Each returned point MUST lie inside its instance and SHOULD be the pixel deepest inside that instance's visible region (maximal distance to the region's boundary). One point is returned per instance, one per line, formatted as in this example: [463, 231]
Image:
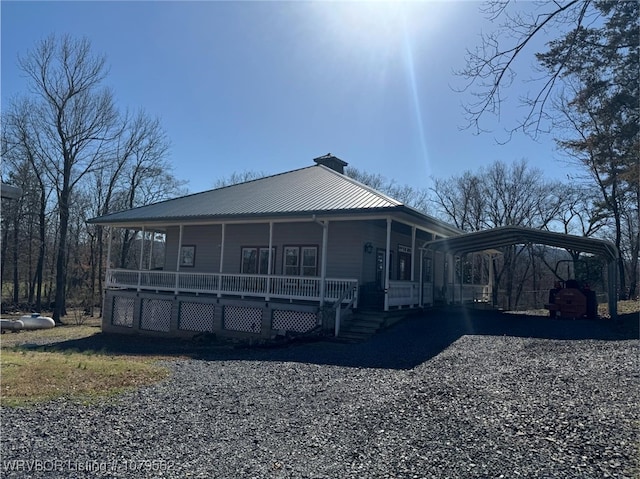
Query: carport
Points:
[513, 235]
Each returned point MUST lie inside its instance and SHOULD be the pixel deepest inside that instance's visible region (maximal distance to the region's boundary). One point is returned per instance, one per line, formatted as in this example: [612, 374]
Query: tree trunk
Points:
[59, 309]
[16, 280]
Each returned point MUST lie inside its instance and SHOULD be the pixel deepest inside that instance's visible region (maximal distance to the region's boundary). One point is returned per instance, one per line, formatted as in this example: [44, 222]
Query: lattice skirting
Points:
[298, 321]
[122, 314]
[239, 318]
[156, 315]
[196, 316]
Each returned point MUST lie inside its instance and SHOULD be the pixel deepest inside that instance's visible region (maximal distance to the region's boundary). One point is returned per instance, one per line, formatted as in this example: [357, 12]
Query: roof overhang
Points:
[511, 235]
[400, 213]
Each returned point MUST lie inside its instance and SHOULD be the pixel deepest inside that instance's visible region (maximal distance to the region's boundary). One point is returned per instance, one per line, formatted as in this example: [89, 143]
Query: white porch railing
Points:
[404, 293]
[471, 293]
[284, 287]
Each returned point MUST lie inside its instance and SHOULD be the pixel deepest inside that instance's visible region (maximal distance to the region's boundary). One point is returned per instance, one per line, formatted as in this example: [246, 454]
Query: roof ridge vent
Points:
[332, 162]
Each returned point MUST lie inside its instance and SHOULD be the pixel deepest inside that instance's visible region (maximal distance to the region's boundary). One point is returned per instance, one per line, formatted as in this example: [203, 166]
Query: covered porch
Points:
[265, 287]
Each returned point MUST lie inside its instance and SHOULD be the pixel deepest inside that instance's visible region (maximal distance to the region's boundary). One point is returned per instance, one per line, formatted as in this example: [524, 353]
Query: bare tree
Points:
[491, 68]
[502, 195]
[77, 122]
[460, 200]
[147, 176]
[21, 138]
[600, 113]
[591, 64]
[407, 194]
[239, 177]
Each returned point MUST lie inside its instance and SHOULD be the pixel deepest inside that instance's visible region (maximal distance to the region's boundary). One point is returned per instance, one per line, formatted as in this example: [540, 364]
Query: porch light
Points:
[368, 247]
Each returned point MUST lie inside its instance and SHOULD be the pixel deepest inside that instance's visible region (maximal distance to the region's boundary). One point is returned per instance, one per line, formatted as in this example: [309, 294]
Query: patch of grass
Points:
[53, 335]
[28, 377]
[624, 307]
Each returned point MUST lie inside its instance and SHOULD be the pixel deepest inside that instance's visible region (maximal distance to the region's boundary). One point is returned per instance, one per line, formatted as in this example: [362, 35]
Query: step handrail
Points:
[337, 308]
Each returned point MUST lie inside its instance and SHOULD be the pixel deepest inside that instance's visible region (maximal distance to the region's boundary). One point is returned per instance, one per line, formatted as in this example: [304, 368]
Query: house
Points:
[291, 252]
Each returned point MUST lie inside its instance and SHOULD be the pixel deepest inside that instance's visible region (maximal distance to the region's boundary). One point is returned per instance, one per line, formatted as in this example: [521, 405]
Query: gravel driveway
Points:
[445, 395]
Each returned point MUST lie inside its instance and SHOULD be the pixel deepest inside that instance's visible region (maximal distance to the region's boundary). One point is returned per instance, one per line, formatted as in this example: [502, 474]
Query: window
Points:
[309, 261]
[404, 263]
[301, 260]
[255, 260]
[427, 267]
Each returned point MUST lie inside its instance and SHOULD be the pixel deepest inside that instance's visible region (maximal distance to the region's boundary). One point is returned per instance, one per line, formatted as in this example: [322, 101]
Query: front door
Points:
[380, 273]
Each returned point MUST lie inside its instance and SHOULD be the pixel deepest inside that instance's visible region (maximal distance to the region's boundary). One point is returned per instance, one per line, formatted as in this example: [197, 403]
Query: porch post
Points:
[142, 247]
[461, 277]
[178, 259]
[445, 276]
[420, 283]
[141, 255]
[612, 288]
[153, 234]
[387, 266]
[110, 233]
[452, 278]
[491, 279]
[222, 246]
[222, 239]
[413, 266]
[323, 263]
[269, 259]
[413, 254]
[104, 293]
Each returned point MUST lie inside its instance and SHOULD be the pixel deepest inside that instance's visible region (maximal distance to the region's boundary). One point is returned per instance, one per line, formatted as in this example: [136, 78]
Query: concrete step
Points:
[366, 323]
[351, 338]
[358, 330]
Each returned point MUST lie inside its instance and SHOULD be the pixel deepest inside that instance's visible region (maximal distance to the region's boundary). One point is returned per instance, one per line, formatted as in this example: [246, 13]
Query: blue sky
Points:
[268, 86]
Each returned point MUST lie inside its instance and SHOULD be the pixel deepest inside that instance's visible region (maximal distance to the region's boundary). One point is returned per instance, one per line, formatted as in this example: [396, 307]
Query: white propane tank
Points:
[35, 321]
[10, 325]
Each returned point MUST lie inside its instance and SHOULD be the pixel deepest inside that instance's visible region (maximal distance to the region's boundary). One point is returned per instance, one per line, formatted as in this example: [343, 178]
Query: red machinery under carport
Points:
[510, 235]
[571, 301]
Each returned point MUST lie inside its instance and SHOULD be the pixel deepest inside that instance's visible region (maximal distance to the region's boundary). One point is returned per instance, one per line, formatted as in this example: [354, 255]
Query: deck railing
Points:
[242, 285]
[404, 293]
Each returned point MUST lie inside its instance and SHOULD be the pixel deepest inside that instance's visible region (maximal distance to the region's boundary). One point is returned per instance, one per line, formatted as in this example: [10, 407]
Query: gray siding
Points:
[238, 236]
[345, 248]
[205, 238]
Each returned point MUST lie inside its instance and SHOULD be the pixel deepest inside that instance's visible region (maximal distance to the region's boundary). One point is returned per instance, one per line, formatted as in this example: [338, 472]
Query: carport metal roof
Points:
[511, 235]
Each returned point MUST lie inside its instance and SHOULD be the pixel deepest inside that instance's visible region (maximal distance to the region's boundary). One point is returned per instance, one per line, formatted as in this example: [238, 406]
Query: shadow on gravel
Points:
[403, 346]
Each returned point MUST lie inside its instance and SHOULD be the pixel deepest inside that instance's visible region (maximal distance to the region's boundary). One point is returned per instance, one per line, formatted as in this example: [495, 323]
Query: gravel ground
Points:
[447, 395]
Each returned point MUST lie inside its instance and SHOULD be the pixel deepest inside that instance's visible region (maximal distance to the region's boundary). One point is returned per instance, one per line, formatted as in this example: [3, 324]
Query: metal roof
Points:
[312, 190]
[509, 235]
